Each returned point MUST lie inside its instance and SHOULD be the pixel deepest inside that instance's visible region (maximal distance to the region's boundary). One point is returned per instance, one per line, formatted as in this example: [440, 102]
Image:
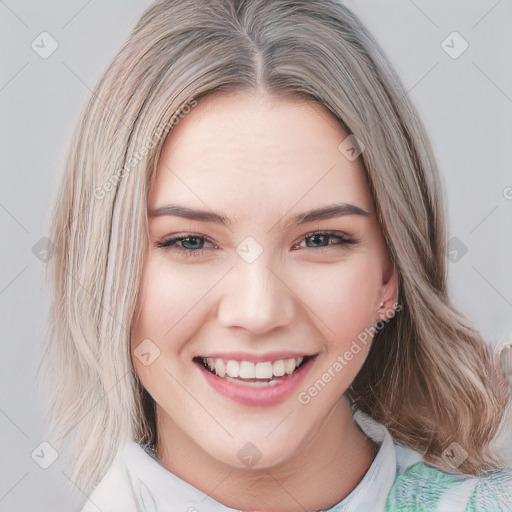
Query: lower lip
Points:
[261, 395]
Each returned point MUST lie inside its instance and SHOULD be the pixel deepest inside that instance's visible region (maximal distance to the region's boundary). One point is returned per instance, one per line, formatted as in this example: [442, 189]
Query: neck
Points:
[321, 475]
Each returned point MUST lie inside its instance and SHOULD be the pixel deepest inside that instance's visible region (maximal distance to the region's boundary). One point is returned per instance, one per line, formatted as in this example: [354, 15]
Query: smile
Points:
[255, 383]
[265, 370]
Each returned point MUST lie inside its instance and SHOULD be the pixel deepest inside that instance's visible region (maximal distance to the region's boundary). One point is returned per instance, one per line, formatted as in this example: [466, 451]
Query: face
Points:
[265, 265]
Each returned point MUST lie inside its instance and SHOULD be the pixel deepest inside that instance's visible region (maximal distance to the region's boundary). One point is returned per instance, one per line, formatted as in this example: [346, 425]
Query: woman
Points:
[250, 306]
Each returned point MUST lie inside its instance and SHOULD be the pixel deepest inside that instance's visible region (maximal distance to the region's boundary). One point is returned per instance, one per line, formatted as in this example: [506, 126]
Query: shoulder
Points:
[422, 487]
[114, 493]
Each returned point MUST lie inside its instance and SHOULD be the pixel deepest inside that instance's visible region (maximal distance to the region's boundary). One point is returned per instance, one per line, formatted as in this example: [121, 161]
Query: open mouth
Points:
[264, 373]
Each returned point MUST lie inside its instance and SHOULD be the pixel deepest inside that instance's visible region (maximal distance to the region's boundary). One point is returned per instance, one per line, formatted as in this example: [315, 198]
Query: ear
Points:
[389, 292]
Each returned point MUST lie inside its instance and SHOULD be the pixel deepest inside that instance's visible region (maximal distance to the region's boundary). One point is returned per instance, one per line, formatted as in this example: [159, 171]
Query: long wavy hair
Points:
[428, 376]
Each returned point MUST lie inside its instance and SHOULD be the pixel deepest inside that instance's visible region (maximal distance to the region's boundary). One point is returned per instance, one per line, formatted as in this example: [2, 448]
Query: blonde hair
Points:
[428, 376]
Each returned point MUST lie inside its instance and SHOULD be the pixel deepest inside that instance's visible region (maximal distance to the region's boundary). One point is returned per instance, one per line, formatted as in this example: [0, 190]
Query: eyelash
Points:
[171, 242]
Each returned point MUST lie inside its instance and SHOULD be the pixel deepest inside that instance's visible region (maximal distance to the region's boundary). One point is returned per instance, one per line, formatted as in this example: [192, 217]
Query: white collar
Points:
[158, 490]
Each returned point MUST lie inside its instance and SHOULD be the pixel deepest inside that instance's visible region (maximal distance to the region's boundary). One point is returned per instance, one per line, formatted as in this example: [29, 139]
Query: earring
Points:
[381, 305]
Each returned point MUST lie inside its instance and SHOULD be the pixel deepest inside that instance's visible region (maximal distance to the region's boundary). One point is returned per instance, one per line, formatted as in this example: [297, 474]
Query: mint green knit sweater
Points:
[425, 489]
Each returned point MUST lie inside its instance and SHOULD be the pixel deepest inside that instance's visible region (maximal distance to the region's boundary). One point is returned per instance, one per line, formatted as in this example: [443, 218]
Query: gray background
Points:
[466, 104]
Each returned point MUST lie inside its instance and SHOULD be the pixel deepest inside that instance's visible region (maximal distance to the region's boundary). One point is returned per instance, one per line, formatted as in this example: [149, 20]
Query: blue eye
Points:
[321, 239]
[189, 243]
[196, 245]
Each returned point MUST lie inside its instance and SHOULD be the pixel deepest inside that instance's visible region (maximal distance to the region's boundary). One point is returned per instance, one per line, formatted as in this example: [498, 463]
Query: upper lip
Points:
[255, 358]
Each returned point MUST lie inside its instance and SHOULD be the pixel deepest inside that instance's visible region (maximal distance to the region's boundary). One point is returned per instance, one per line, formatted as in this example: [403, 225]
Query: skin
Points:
[260, 160]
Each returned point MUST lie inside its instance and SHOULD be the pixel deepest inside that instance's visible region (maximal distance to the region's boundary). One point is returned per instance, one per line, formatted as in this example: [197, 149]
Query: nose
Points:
[255, 297]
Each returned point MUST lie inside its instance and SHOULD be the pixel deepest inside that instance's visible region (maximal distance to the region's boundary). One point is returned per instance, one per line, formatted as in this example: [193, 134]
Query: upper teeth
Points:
[250, 370]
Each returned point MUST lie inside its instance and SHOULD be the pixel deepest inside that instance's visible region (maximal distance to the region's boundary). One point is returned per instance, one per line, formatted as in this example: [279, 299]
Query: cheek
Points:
[168, 299]
[168, 314]
[343, 306]
[342, 298]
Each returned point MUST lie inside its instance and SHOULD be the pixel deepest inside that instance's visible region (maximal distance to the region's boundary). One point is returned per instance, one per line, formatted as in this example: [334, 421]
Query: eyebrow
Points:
[326, 212]
[189, 213]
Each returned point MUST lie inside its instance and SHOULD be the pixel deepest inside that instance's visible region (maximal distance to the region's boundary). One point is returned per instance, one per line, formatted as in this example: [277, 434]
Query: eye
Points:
[187, 243]
[195, 245]
[321, 239]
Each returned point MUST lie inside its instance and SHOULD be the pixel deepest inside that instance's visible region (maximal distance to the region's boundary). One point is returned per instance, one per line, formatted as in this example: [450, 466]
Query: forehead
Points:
[239, 151]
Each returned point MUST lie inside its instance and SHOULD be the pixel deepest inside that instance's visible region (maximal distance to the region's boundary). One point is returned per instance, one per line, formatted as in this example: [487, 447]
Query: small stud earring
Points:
[381, 305]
